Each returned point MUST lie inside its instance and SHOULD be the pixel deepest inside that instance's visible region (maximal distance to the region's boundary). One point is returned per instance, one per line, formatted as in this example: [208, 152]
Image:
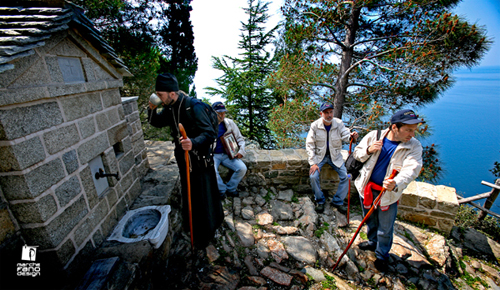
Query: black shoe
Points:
[320, 208]
[381, 265]
[366, 246]
[222, 195]
[341, 208]
[233, 194]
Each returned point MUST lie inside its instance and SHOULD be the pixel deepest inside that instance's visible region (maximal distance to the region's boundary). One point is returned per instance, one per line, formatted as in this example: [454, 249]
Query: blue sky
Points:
[217, 24]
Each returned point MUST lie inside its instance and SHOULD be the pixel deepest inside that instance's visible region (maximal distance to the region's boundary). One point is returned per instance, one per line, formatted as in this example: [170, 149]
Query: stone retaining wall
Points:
[434, 206]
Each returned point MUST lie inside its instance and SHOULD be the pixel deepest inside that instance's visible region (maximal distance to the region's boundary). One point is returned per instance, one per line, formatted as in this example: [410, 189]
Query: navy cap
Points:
[325, 106]
[405, 117]
[219, 107]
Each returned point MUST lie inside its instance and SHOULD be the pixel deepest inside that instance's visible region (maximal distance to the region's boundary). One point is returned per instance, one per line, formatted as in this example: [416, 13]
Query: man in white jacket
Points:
[323, 146]
[399, 150]
[227, 126]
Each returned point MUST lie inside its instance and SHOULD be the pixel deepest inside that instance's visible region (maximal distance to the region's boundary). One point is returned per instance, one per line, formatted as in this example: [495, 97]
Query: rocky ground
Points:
[273, 238]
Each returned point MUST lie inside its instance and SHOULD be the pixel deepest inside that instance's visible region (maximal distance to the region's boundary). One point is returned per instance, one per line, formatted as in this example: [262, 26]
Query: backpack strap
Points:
[378, 134]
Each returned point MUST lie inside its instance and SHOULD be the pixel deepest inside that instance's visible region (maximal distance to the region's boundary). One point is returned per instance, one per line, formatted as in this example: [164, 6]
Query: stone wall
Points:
[434, 206]
[50, 130]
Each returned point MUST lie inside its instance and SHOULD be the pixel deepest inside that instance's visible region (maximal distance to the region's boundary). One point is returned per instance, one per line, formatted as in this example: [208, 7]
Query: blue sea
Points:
[466, 129]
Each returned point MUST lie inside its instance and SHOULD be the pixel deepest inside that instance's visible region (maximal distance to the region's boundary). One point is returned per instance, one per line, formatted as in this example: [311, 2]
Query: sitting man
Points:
[323, 146]
[227, 126]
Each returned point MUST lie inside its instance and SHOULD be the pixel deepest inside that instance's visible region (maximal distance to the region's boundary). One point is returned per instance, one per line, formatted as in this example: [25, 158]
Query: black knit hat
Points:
[166, 82]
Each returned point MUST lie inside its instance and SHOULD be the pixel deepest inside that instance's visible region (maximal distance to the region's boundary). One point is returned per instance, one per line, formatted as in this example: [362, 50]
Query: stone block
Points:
[93, 147]
[22, 64]
[111, 98]
[102, 121]
[139, 146]
[442, 214]
[111, 197]
[445, 225]
[21, 121]
[98, 238]
[89, 187]
[38, 211]
[67, 48]
[115, 83]
[66, 90]
[118, 133]
[278, 166]
[36, 75]
[61, 138]
[127, 180]
[33, 183]
[67, 191]
[128, 107]
[65, 252]
[87, 127]
[409, 199]
[110, 165]
[23, 95]
[109, 223]
[70, 160]
[447, 199]
[54, 69]
[126, 162]
[81, 106]
[96, 86]
[21, 155]
[51, 235]
[91, 222]
[88, 69]
[7, 228]
[135, 190]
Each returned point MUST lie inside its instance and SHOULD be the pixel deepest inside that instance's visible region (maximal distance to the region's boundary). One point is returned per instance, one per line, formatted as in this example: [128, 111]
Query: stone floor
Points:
[272, 238]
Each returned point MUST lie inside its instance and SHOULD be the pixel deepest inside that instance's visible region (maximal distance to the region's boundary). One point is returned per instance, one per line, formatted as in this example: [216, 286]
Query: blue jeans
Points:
[381, 227]
[338, 198]
[236, 165]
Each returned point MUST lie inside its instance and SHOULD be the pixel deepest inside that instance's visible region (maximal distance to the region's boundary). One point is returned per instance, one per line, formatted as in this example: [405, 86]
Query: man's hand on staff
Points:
[354, 135]
[389, 184]
[313, 169]
[151, 106]
[186, 144]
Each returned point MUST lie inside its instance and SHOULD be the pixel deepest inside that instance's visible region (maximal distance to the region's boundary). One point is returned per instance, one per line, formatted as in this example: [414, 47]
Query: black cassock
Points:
[205, 198]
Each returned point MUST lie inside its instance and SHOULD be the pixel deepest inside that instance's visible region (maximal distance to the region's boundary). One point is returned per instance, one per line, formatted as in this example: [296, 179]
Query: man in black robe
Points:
[205, 200]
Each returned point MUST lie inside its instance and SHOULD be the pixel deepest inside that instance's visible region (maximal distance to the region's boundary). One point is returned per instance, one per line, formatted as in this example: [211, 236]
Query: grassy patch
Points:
[363, 235]
[329, 283]
[319, 232]
[467, 218]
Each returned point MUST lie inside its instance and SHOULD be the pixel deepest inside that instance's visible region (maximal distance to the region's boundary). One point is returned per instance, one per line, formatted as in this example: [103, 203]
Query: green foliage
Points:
[368, 59]
[467, 218]
[496, 169]
[319, 232]
[329, 283]
[431, 169]
[242, 84]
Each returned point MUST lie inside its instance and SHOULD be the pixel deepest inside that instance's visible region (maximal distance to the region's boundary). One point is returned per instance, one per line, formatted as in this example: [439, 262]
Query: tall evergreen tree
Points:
[243, 84]
[177, 37]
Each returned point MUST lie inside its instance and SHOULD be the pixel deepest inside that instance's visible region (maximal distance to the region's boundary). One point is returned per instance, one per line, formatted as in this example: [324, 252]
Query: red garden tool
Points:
[375, 204]
[188, 181]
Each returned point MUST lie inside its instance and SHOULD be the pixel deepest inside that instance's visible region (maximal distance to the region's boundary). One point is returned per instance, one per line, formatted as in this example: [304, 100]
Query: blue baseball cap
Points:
[325, 106]
[405, 117]
[219, 107]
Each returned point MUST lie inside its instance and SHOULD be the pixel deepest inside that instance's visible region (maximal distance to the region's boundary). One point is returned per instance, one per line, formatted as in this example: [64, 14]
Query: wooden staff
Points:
[375, 203]
[188, 179]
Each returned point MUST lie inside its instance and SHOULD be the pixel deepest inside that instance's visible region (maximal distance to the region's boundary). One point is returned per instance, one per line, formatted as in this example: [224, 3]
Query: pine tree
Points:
[177, 39]
[243, 84]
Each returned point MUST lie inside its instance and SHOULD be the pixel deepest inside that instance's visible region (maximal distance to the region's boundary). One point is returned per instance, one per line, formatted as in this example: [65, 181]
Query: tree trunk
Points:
[346, 61]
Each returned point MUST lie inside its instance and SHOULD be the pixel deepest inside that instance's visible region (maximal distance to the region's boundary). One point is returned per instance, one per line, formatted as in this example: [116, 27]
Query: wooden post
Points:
[495, 189]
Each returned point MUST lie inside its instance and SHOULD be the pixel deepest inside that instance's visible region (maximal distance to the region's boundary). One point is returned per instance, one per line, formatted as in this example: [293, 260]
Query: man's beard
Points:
[326, 121]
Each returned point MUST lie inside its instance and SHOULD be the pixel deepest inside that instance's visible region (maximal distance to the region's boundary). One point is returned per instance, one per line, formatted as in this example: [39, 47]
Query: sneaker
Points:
[320, 208]
[341, 208]
[367, 246]
[233, 194]
[381, 265]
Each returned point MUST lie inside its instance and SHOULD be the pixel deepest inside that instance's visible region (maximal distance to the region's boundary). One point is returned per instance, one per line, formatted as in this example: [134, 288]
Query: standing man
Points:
[180, 109]
[399, 150]
[323, 145]
[220, 157]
